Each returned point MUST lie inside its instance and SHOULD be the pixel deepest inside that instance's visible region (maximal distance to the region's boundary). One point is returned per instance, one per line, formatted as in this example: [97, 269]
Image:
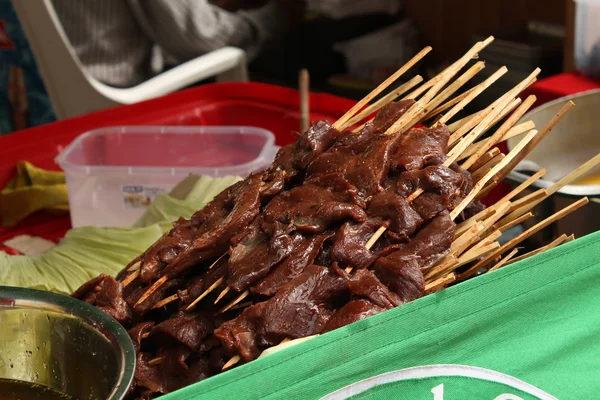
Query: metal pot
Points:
[63, 343]
[572, 142]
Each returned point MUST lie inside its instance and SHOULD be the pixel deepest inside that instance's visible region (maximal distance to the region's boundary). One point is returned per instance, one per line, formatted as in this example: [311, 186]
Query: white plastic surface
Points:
[114, 173]
[73, 91]
[587, 37]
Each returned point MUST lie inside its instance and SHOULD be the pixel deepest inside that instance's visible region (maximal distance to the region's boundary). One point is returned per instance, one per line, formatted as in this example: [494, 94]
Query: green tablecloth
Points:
[527, 331]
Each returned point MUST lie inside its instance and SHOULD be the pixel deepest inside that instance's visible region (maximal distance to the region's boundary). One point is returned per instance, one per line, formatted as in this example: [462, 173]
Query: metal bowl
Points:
[571, 143]
[63, 343]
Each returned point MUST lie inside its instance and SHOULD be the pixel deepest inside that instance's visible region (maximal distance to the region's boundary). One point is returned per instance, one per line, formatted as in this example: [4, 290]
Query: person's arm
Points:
[189, 28]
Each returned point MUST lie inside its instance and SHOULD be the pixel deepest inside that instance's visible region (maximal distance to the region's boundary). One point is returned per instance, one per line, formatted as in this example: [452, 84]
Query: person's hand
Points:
[295, 10]
[236, 5]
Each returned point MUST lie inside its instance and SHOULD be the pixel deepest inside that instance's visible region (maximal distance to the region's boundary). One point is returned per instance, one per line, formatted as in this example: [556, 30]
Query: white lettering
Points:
[438, 392]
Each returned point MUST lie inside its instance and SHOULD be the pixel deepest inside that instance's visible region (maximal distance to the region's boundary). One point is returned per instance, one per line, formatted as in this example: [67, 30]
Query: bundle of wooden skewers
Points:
[474, 249]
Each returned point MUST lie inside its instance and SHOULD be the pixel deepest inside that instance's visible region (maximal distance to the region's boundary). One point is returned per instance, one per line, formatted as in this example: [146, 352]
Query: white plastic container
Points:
[587, 37]
[114, 173]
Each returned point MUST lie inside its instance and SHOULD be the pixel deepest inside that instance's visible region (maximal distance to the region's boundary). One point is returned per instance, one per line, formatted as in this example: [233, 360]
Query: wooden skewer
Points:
[156, 361]
[478, 90]
[488, 211]
[212, 287]
[465, 240]
[557, 242]
[479, 185]
[165, 301]
[500, 132]
[515, 222]
[506, 109]
[480, 173]
[130, 278]
[304, 86]
[440, 283]
[419, 109]
[574, 175]
[350, 113]
[506, 259]
[217, 260]
[496, 108]
[232, 361]
[151, 290]
[450, 90]
[426, 86]
[543, 132]
[393, 95]
[241, 297]
[471, 256]
[486, 157]
[222, 294]
[514, 131]
[523, 236]
[531, 197]
[241, 305]
[449, 104]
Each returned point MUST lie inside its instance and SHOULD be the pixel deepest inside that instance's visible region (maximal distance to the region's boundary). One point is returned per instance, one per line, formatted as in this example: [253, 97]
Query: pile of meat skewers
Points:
[345, 224]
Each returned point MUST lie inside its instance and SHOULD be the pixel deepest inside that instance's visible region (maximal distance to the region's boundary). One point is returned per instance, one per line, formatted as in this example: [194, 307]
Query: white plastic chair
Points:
[73, 91]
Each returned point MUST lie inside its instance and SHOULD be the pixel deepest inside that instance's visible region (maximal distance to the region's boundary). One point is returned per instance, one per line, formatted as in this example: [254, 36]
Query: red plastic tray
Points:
[252, 104]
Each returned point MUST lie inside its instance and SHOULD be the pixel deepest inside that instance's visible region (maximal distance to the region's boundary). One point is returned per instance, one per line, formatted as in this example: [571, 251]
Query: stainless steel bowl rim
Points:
[32, 298]
[571, 190]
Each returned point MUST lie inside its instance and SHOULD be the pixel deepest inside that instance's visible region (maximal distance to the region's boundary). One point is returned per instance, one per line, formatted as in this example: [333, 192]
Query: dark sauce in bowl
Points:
[20, 390]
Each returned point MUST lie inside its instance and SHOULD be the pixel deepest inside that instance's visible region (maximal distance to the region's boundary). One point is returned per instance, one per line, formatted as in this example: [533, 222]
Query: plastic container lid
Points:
[114, 173]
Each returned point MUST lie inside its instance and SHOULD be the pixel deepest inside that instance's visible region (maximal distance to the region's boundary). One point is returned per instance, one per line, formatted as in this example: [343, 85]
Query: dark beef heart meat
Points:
[301, 257]
[137, 331]
[217, 227]
[444, 189]
[319, 137]
[363, 159]
[110, 300]
[389, 114]
[400, 266]
[148, 376]
[355, 310]
[314, 206]
[402, 275]
[364, 283]
[388, 206]
[303, 306]
[242, 335]
[254, 256]
[349, 245]
[184, 329]
[421, 147]
[87, 291]
[166, 249]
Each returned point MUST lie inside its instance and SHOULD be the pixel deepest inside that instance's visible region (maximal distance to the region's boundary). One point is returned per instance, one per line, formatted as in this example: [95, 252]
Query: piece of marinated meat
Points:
[187, 329]
[349, 249]
[353, 311]
[110, 300]
[254, 256]
[314, 206]
[301, 257]
[421, 147]
[363, 283]
[389, 206]
[303, 306]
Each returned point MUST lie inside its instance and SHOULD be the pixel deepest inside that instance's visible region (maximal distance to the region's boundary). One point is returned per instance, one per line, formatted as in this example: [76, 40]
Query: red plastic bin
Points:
[251, 104]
